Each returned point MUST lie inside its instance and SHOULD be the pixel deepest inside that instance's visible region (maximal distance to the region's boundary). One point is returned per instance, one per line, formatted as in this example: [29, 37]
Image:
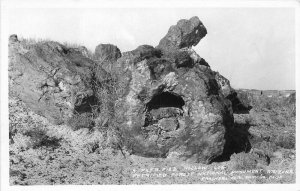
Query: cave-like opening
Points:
[85, 105]
[165, 99]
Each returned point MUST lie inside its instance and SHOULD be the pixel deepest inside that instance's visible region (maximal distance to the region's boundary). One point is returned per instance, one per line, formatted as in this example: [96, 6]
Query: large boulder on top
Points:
[186, 33]
[53, 80]
[107, 52]
[106, 55]
[169, 104]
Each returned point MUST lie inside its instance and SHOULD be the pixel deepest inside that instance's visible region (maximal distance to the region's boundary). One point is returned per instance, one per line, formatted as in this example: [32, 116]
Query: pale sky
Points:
[253, 47]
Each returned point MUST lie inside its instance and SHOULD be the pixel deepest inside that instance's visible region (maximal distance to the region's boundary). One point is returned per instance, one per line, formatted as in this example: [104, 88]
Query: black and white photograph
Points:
[148, 93]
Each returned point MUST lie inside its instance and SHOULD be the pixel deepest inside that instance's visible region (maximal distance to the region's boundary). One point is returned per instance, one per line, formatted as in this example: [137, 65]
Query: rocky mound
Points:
[53, 80]
[169, 101]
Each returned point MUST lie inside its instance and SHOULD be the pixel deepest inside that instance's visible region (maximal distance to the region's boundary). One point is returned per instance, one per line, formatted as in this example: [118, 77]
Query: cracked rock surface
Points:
[186, 33]
[170, 102]
[51, 79]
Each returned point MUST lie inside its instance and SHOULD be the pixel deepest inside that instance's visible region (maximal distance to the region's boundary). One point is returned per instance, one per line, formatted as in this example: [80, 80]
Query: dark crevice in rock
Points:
[237, 105]
[165, 99]
[183, 59]
[203, 62]
[236, 141]
[214, 89]
[163, 105]
[85, 105]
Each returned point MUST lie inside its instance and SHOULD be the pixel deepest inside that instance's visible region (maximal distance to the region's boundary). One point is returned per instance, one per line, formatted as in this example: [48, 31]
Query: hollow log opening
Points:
[165, 99]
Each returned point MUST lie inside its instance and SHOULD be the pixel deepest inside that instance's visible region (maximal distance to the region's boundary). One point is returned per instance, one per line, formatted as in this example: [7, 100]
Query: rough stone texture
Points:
[186, 33]
[84, 51]
[107, 52]
[53, 80]
[239, 101]
[13, 38]
[106, 55]
[224, 85]
[169, 103]
[185, 57]
[143, 52]
[168, 100]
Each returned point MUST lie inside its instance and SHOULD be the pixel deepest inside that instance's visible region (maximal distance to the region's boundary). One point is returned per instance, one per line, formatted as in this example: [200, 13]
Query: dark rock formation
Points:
[170, 104]
[107, 52]
[239, 101]
[13, 38]
[186, 33]
[106, 55]
[224, 85]
[167, 101]
[143, 52]
[53, 80]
